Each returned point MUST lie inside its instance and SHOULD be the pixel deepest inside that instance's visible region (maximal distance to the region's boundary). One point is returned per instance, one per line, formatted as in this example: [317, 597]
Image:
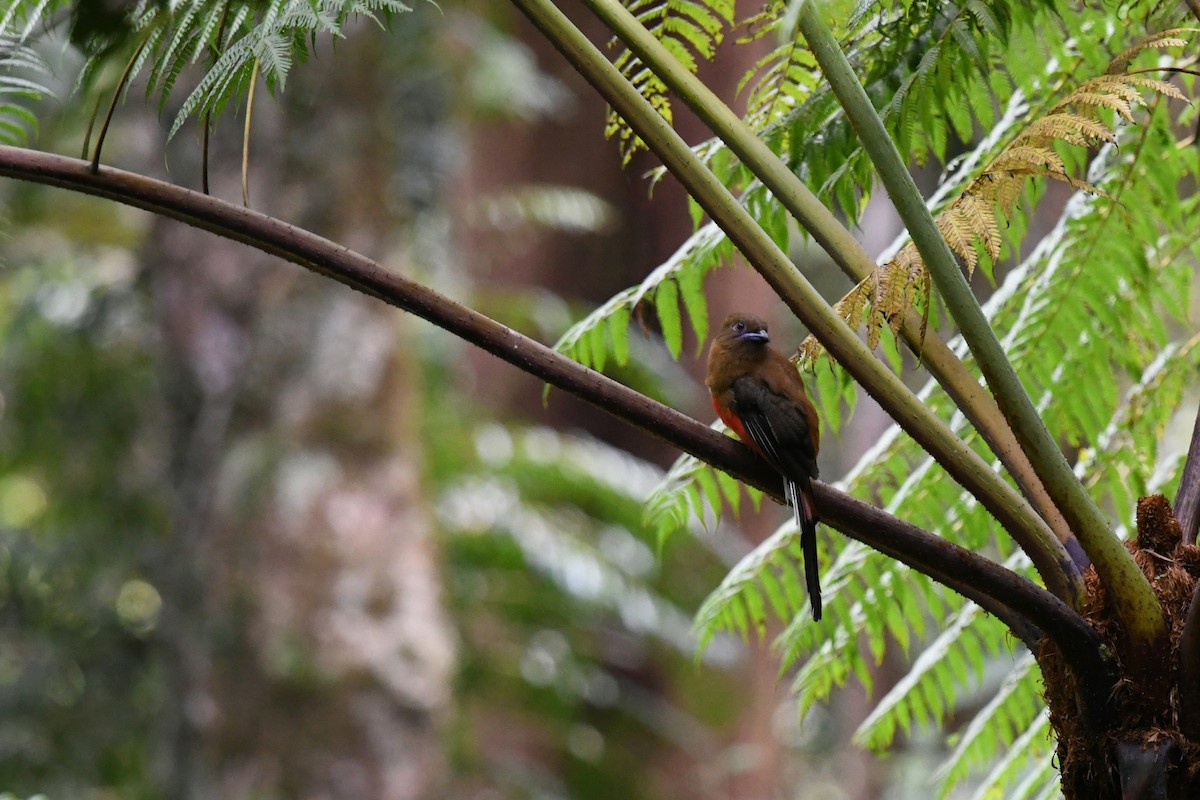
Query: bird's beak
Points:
[754, 336]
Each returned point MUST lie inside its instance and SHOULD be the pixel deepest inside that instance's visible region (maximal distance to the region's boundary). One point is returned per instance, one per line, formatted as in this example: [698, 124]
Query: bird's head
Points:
[743, 329]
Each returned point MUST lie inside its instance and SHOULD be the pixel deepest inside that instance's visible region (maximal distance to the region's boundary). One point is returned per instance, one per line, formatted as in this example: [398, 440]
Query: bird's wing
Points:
[778, 426]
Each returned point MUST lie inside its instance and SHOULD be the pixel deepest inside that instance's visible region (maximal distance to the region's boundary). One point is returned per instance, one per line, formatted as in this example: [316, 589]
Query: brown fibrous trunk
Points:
[1142, 751]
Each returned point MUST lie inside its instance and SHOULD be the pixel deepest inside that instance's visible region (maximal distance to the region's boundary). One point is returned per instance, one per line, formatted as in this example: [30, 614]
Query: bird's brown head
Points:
[744, 330]
[741, 341]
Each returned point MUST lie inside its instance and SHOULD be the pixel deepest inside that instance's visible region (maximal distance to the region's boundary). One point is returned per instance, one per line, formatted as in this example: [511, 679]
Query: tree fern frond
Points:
[725, 608]
[1070, 128]
[1162, 39]
[955, 658]
[974, 218]
[994, 727]
[275, 34]
[690, 29]
[21, 72]
[1026, 754]
[680, 277]
[1135, 274]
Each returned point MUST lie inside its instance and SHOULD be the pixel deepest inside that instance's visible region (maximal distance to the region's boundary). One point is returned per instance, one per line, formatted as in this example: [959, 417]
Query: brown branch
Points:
[1187, 498]
[1000, 590]
[880, 530]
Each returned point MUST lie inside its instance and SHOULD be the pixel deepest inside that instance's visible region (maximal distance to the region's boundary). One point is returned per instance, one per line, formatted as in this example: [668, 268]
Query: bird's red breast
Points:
[733, 422]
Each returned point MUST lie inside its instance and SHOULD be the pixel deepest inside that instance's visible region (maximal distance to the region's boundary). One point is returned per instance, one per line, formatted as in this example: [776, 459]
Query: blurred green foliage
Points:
[82, 513]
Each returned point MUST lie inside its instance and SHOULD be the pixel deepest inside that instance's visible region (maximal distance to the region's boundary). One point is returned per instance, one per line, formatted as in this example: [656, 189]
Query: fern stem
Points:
[1134, 599]
[205, 140]
[112, 106]
[959, 460]
[246, 135]
[946, 368]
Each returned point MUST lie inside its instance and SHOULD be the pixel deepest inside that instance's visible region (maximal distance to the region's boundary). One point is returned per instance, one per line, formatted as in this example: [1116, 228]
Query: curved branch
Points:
[995, 587]
[882, 535]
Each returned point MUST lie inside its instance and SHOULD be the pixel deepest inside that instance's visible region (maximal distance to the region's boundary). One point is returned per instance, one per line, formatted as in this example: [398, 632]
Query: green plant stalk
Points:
[1135, 601]
[962, 463]
[947, 369]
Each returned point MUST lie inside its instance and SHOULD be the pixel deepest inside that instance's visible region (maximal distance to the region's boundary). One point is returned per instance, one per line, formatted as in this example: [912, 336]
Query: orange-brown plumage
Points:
[758, 393]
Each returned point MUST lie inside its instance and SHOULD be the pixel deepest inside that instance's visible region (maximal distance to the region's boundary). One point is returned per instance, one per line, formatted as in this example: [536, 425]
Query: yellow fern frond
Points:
[979, 211]
[1099, 100]
[850, 307]
[876, 318]
[1110, 84]
[972, 223]
[927, 298]
[1168, 38]
[909, 274]
[1161, 87]
[1007, 191]
[959, 233]
[1025, 156]
[1071, 128]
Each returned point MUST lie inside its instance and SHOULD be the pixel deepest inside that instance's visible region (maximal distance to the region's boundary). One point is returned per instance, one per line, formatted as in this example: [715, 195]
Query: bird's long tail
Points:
[806, 519]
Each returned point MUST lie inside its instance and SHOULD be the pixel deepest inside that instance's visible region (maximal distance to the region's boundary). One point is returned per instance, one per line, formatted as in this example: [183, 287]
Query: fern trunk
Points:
[1147, 748]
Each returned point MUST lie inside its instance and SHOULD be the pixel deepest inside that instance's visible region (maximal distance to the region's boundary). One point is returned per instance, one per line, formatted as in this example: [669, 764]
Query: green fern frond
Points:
[994, 727]
[678, 279]
[691, 30]
[21, 72]
[693, 490]
[276, 35]
[954, 660]
[973, 220]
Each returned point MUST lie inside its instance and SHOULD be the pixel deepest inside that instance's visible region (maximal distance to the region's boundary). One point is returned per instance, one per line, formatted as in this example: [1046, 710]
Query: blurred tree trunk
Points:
[310, 651]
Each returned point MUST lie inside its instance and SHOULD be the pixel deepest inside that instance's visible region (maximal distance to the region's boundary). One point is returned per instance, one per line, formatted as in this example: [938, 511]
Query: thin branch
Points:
[946, 367]
[246, 135]
[87, 133]
[116, 98]
[206, 135]
[1187, 498]
[919, 549]
[963, 464]
[1132, 596]
[205, 139]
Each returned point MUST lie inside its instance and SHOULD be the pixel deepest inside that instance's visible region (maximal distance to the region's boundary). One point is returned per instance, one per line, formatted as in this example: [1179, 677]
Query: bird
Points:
[758, 393]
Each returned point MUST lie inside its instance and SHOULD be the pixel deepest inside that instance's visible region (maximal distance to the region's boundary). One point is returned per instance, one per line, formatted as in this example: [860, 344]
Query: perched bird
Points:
[758, 393]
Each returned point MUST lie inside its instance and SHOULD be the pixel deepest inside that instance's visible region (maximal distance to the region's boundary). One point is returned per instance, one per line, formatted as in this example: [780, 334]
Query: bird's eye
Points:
[739, 326]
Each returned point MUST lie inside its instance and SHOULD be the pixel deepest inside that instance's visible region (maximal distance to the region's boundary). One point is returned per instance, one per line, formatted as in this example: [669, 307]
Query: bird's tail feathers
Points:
[806, 519]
